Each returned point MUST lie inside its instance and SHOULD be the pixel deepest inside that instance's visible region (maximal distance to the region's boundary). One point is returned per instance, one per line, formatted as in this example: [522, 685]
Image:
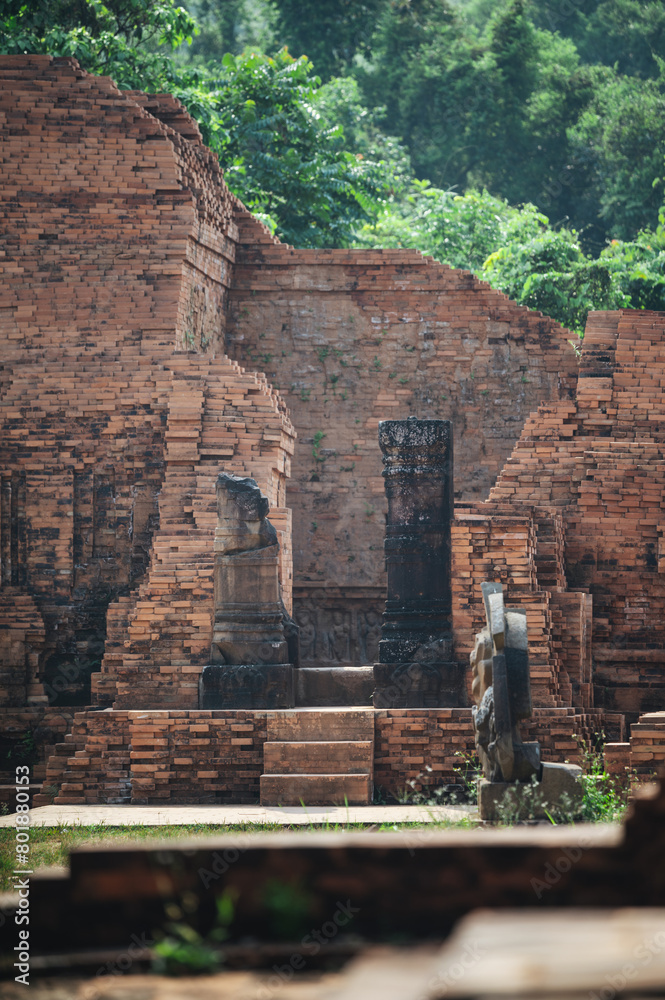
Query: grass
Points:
[50, 846]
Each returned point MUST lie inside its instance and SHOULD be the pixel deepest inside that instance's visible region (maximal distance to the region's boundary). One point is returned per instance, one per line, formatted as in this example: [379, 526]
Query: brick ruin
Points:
[155, 334]
[354, 337]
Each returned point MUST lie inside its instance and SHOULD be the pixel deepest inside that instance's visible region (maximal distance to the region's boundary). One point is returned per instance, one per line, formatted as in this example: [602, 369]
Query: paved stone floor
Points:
[233, 815]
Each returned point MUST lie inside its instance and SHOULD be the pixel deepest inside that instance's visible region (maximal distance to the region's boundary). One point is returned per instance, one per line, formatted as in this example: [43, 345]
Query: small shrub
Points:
[184, 950]
[605, 797]
[526, 803]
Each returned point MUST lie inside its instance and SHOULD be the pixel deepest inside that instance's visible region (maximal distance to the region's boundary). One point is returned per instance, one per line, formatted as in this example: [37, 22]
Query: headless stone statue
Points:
[254, 641]
[502, 692]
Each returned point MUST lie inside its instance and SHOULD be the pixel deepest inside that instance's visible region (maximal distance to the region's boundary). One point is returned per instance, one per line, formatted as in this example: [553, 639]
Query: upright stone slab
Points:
[415, 669]
[501, 690]
[250, 653]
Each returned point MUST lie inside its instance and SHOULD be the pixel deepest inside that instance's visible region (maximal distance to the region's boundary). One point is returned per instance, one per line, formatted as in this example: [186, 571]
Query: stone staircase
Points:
[319, 756]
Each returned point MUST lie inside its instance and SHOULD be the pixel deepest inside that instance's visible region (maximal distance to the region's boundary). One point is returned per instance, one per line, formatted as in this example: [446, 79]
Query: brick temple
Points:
[155, 335]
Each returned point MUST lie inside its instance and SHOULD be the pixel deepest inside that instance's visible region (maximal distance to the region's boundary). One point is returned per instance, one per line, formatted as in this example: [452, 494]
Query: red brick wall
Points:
[521, 546]
[154, 757]
[224, 418]
[207, 757]
[129, 269]
[410, 740]
[157, 757]
[29, 736]
[91, 765]
[600, 461]
[120, 248]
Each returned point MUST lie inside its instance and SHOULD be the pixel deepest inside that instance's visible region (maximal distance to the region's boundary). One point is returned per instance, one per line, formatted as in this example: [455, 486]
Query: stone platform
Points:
[217, 757]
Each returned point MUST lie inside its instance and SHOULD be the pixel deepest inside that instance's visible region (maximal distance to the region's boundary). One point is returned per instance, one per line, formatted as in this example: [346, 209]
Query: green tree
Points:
[329, 32]
[625, 34]
[481, 104]
[460, 230]
[638, 267]
[282, 157]
[229, 26]
[130, 40]
[620, 141]
[550, 273]
[498, 96]
[339, 103]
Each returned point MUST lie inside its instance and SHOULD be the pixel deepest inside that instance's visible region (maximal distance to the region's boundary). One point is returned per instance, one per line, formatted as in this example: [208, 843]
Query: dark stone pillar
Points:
[415, 668]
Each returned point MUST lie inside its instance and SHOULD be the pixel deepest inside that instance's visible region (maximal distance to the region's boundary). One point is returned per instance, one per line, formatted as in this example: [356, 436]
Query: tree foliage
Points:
[620, 141]
[233, 26]
[284, 158]
[460, 230]
[329, 32]
[490, 96]
[128, 39]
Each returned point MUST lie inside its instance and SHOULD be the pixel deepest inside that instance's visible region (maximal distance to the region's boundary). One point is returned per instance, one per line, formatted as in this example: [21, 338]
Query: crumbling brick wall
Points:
[130, 269]
[118, 409]
[600, 462]
[219, 416]
[126, 248]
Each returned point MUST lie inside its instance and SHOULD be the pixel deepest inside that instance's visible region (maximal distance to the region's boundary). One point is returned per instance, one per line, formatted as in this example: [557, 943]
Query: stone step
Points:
[316, 789]
[334, 686]
[314, 757]
[320, 725]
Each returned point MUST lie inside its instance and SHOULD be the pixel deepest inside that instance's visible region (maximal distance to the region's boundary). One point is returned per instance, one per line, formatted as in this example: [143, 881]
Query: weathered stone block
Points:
[419, 685]
[341, 757]
[257, 686]
[560, 792]
[309, 724]
[316, 789]
[332, 686]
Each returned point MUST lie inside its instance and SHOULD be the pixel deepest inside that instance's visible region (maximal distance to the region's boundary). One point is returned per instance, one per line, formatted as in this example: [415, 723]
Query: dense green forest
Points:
[522, 139]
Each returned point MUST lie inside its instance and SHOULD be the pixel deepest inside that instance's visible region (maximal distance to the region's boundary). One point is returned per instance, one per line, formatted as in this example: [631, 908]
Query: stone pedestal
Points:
[559, 793]
[415, 667]
[250, 666]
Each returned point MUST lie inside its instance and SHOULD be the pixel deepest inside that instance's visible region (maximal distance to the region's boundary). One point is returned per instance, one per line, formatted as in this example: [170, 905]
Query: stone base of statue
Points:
[247, 685]
[419, 685]
[558, 794]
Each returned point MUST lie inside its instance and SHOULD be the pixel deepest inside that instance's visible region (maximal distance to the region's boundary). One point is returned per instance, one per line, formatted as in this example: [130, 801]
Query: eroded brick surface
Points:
[599, 462]
[118, 407]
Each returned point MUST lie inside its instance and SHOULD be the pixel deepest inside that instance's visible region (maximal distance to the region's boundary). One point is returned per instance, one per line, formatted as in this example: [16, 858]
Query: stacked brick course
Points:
[644, 755]
[120, 244]
[600, 463]
[411, 741]
[154, 757]
[218, 417]
[29, 736]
